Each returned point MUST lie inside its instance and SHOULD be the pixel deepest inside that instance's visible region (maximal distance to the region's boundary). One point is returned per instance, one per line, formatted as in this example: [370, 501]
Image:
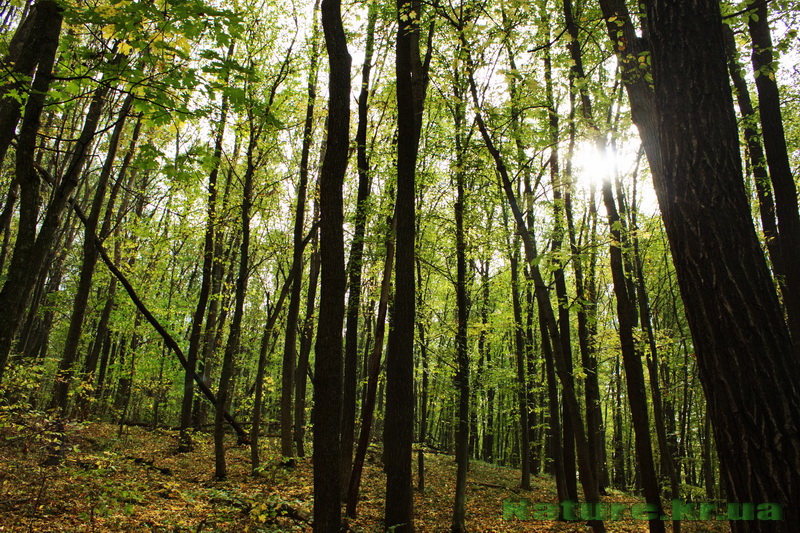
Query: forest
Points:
[441, 265]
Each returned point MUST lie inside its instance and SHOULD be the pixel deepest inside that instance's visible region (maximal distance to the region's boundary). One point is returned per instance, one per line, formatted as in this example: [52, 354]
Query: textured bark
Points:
[328, 366]
[744, 353]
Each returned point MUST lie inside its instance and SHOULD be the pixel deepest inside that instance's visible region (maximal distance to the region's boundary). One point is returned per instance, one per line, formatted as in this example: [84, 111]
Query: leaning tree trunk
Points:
[90, 255]
[744, 352]
[26, 256]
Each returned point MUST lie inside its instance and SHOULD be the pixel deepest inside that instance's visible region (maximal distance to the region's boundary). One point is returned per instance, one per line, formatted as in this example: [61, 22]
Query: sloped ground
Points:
[107, 482]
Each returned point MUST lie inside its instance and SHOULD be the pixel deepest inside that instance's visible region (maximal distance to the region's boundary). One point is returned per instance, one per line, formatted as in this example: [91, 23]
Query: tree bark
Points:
[328, 365]
[744, 353]
[399, 428]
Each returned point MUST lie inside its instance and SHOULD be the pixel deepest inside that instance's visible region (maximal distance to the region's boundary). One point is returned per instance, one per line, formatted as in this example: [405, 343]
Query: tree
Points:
[328, 365]
[399, 431]
[744, 351]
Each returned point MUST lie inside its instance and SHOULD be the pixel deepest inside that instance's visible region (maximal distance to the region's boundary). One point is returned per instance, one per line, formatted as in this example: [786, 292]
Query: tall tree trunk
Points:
[758, 163]
[301, 377]
[423, 417]
[586, 469]
[266, 336]
[667, 461]
[328, 366]
[32, 248]
[195, 336]
[234, 335]
[293, 311]
[522, 383]
[26, 255]
[559, 279]
[765, 66]
[744, 352]
[355, 262]
[399, 429]
[373, 372]
[462, 318]
[30, 47]
[90, 254]
[632, 361]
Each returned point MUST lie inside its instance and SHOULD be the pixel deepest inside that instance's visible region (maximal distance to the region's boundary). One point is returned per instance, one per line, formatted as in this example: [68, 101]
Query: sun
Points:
[590, 164]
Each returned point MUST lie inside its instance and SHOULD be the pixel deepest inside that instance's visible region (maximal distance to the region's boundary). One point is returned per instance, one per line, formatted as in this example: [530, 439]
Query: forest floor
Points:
[107, 482]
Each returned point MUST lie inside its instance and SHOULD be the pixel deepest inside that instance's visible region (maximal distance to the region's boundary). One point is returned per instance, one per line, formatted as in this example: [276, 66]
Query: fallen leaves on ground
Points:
[107, 481]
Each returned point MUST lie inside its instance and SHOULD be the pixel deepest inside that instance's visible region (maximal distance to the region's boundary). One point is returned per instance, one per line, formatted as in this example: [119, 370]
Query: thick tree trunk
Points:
[744, 353]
